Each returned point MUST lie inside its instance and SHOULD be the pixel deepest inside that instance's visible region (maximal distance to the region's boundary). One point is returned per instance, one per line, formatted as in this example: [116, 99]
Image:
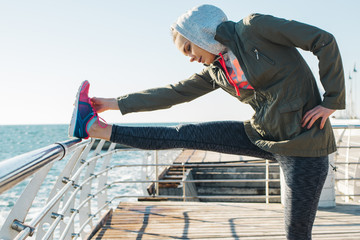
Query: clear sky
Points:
[47, 48]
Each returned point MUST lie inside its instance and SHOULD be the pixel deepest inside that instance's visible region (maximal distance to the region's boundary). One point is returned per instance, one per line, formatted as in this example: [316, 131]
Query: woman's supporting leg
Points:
[304, 178]
[224, 136]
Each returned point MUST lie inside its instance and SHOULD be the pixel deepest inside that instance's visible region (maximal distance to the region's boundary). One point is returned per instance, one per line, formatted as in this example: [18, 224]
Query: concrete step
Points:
[244, 200]
[170, 177]
[238, 184]
[237, 169]
[172, 172]
[171, 191]
[236, 191]
[236, 175]
[168, 185]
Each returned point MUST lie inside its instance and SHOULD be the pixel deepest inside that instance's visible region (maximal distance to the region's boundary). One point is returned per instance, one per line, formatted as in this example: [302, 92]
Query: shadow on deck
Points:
[194, 220]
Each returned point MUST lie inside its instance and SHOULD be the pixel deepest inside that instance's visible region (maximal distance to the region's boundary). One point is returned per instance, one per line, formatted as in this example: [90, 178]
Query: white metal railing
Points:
[347, 162]
[61, 198]
[16, 169]
[79, 195]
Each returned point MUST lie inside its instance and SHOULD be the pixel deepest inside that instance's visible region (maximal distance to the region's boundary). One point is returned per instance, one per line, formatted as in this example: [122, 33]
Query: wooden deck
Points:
[222, 220]
[190, 220]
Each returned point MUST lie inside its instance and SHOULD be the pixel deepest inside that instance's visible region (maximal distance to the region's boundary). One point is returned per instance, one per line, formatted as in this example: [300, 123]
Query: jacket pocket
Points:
[290, 116]
[260, 56]
[291, 106]
[280, 121]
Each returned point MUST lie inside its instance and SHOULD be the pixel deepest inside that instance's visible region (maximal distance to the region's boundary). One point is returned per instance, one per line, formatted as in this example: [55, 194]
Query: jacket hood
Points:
[199, 24]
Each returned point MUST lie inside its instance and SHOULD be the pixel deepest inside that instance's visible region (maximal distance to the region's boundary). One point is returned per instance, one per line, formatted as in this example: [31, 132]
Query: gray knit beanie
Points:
[199, 24]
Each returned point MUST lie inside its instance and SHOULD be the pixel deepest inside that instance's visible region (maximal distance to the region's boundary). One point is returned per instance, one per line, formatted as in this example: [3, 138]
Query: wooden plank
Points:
[198, 156]
[100, 224]
[192, 220]
[185, 156]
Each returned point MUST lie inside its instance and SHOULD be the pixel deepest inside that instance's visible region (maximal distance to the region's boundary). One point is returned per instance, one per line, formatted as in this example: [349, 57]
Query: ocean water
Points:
[19, 139]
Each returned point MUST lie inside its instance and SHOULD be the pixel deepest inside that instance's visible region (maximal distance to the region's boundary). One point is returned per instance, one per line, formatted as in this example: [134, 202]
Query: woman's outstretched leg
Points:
[224, 136]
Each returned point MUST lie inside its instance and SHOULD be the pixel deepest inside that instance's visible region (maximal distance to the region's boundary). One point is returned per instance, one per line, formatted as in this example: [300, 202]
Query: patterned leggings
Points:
[304, 176]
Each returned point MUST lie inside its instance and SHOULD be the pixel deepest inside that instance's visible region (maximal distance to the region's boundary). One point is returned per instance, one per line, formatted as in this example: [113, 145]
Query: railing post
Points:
[87, 188]
[144, 171]
[282, 186]
[157, 172]
[183, 183]
[23, 204]
[102, 179]
[70, 165]
[347, 198]
[267, 180]
[327, 197]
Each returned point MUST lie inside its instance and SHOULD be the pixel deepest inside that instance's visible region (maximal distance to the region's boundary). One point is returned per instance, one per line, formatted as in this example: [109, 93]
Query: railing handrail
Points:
[346, 126]
[16, 169]
[200, 165]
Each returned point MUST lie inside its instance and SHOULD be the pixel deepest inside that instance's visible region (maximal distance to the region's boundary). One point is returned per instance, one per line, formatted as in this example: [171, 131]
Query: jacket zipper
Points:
[259, 54]
[256, 53]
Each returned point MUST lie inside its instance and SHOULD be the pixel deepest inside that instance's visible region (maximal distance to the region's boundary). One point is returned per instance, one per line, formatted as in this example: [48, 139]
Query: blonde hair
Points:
[174, 34]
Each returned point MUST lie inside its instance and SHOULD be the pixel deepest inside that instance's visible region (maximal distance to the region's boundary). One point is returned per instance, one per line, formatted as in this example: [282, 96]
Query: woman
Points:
[256, 61]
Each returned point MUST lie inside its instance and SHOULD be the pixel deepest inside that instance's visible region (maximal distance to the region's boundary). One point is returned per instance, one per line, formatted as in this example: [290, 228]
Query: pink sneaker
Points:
[84, 114]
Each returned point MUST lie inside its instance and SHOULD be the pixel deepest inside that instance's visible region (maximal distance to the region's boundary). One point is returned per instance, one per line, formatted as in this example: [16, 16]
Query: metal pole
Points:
[16, 169]
[183, 183]
[347, 198]
[267, 181]
[157, 172]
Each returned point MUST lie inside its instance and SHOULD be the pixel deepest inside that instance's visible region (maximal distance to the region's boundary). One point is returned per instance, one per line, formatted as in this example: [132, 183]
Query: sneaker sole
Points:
[75, 111]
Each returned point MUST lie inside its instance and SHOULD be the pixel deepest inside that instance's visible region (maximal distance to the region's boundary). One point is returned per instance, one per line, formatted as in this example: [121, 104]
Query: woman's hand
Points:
[104, 104]
[314, 114]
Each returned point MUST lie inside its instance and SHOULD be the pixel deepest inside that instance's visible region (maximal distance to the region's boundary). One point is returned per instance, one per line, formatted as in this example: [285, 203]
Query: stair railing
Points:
[347, 166]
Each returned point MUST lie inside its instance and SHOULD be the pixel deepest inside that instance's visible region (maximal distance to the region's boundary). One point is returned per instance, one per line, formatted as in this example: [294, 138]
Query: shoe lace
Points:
[98, 121]
[98, 117]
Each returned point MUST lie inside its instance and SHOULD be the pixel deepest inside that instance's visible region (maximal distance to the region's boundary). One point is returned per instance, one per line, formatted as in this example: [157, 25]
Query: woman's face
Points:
[194, 52]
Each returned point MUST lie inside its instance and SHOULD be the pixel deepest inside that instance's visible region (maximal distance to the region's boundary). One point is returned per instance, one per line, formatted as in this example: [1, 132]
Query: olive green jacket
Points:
[284, 86]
